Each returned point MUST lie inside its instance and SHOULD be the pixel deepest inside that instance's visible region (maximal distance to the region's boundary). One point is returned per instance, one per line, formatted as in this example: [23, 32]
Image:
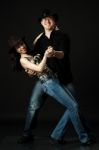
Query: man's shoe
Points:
[92, 138]
[89, 142]
[61, 141]
[25, 139]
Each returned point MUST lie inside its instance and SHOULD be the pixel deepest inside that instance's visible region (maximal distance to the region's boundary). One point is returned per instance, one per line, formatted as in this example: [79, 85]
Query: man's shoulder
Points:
[62, 34]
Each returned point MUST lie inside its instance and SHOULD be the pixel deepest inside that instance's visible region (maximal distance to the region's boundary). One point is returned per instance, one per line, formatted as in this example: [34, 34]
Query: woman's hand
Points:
[50, 52]
[54, 53]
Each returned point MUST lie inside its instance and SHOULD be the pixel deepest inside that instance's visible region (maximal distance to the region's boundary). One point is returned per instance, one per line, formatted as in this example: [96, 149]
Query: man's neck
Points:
[48, 33]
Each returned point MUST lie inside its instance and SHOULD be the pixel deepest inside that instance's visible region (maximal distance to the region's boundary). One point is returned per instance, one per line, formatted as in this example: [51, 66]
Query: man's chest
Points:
[44, 44]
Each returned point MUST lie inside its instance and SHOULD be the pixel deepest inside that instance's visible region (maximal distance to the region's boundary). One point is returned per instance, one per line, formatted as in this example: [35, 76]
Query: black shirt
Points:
[60, 42]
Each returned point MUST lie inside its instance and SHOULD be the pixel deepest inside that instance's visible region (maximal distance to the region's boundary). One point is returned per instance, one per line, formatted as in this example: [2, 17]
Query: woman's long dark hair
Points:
[15, 57]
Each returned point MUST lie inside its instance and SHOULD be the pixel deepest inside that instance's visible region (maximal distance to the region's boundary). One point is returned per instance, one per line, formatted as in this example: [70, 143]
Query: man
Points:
[55, 40]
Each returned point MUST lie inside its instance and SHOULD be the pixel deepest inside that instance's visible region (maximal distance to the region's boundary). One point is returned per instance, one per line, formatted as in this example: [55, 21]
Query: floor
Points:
[10, 131]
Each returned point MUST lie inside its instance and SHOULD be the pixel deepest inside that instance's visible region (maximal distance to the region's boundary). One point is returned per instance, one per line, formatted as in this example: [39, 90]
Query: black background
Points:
[80, 20]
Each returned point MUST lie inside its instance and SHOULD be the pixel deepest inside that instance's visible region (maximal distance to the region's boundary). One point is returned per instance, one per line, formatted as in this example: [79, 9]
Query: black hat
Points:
[47, 13]
[14, 41]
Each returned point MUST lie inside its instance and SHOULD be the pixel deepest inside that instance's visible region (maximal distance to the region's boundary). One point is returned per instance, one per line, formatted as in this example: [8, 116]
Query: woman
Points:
[50, 85]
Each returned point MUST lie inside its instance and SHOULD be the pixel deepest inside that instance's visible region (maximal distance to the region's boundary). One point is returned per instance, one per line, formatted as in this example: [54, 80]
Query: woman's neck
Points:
[23, 55]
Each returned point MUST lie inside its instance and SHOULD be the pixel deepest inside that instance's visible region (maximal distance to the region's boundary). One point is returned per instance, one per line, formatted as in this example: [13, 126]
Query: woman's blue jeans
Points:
[63, 95]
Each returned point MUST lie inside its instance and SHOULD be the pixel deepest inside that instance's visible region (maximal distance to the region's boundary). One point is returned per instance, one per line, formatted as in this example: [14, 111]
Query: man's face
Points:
[48, 23]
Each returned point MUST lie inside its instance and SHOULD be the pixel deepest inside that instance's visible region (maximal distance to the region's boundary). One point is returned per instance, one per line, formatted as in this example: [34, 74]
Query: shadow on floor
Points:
[10, 131]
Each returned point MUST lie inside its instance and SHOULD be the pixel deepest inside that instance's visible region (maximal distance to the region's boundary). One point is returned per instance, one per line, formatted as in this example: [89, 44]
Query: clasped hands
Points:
[50, 52]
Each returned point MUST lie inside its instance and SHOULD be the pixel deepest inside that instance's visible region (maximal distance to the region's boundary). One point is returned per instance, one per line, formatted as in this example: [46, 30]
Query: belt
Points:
[44, 78]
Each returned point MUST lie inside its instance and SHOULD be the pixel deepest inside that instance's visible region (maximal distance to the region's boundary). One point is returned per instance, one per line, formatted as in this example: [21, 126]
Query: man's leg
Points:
[62, 124]
[72, 92]
[55, 90]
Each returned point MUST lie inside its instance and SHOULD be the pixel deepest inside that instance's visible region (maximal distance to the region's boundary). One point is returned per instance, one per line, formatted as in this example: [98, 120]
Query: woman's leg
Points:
[35, 104]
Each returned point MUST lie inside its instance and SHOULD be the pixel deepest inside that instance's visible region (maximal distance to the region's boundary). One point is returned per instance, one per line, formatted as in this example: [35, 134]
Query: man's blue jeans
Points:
[63, 95]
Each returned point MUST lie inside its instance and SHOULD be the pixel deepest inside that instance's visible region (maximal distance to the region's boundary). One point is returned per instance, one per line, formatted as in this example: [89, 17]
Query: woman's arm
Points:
[26, 64]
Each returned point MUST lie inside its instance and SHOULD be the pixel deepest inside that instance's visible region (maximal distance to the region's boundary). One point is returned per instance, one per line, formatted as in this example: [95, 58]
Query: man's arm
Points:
[58, 54]
[54, 53]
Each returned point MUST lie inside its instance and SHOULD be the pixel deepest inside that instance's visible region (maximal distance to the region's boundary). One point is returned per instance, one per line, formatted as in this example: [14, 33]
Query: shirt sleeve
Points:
[64, 44]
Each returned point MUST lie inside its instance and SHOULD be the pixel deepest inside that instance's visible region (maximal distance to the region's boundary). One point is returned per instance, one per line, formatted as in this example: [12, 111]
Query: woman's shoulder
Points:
[26, 57]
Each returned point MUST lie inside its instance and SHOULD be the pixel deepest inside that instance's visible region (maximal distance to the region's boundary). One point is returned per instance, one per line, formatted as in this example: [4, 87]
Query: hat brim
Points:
[54, 16]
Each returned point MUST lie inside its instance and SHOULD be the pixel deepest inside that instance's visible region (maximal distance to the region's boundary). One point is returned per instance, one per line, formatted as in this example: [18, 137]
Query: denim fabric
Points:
[54, 89]
[62, 124]
[63, 94]
[35, 104]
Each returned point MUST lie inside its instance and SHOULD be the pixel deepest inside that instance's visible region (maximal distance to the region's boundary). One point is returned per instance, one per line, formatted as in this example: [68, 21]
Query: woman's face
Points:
[21, 48]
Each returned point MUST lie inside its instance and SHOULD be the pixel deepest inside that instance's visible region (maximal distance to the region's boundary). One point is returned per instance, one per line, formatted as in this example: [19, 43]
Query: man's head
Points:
[48, 20]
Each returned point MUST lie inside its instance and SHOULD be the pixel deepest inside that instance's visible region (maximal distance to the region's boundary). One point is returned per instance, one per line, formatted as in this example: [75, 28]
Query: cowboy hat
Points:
[47, 13]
